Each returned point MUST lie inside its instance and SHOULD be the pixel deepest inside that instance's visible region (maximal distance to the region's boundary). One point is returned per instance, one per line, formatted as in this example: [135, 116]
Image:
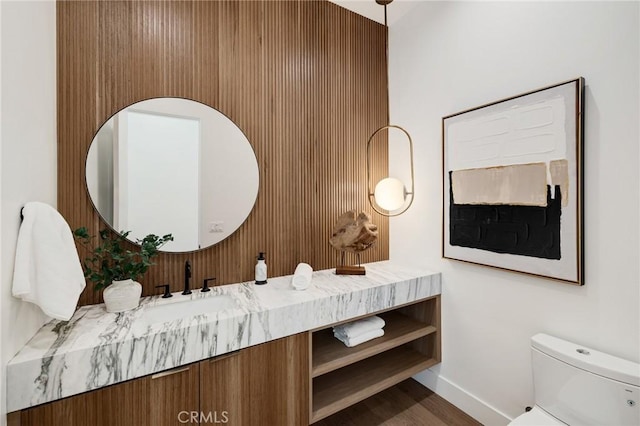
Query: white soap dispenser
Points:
[261, 270]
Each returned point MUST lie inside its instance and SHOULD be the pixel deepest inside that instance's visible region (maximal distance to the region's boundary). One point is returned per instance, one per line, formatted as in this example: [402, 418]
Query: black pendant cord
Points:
[385, 16]
[386, 58]
[386, 50]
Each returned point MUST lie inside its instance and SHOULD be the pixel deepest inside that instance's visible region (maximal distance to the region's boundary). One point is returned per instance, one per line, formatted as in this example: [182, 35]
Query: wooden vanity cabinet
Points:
[293, 381]
[266, 384]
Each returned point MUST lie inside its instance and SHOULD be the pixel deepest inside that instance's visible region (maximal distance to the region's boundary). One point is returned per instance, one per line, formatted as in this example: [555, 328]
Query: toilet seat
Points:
[536, 417]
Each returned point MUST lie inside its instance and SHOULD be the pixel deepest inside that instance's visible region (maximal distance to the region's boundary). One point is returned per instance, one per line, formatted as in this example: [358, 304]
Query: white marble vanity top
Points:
[96, 348]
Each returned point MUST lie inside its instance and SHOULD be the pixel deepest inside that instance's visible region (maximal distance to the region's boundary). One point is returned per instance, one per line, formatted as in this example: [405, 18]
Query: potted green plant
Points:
[115, 269]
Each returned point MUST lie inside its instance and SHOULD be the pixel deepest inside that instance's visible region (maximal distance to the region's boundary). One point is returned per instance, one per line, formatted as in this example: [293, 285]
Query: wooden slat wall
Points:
[305, 81]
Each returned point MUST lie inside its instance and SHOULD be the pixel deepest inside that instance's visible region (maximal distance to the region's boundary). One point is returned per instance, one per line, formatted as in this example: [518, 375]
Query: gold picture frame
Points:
[512, 183]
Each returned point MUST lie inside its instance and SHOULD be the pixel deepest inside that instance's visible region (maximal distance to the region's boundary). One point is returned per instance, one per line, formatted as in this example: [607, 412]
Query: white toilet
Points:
[577, 386]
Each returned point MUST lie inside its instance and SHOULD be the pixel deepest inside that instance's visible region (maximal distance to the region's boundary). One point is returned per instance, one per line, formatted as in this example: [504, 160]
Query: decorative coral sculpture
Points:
[353, 234]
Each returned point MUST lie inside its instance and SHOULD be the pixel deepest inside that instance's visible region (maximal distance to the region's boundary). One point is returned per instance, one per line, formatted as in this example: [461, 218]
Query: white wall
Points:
[446, 57]
[28, 152]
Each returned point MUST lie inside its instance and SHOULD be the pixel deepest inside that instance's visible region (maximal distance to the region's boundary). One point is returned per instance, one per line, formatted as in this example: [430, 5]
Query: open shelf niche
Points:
[342, 376]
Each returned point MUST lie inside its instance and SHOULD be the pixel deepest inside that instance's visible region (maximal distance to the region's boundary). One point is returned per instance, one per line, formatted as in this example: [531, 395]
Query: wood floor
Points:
[406, 404]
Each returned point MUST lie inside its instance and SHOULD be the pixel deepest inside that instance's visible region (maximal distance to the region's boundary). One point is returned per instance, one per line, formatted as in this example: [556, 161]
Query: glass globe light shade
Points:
[390, 194]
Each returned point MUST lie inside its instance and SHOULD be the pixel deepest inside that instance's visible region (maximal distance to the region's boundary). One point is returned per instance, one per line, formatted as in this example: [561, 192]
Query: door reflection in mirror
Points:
[145, 177]
[171, 165]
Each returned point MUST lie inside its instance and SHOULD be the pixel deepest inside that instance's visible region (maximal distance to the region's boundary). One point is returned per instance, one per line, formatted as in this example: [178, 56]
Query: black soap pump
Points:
[261, 270]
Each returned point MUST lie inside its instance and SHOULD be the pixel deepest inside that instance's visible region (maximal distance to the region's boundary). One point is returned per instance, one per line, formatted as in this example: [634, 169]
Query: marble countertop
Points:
[96, 348]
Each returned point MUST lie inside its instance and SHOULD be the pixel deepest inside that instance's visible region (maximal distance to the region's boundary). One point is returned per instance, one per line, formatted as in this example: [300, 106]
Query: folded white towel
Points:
[356, 328]
[301, 279]
[361, 338]
[47, 270]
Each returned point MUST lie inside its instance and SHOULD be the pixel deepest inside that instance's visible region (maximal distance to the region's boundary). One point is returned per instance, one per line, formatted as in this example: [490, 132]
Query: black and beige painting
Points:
[509, 209]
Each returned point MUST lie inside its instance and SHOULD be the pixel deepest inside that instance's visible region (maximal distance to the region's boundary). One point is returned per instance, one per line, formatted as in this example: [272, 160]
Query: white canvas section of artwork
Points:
[525, 133]
[488, 149]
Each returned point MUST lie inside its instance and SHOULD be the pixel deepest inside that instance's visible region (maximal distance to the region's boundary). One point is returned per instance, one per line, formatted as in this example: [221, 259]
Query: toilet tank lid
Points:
[588, 359]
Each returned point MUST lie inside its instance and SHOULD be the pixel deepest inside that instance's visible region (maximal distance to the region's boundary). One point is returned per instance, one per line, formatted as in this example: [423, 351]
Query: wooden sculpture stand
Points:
[350, 270]
[343, 269]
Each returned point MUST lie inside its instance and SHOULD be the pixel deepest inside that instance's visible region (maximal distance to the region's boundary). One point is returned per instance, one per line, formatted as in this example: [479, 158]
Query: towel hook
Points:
[21, 215]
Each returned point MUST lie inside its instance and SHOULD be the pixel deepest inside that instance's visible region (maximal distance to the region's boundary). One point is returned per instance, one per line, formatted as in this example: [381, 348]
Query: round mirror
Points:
[172, 166]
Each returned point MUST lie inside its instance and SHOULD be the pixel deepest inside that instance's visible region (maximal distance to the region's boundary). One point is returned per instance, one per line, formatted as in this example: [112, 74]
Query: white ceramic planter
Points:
[122, 295]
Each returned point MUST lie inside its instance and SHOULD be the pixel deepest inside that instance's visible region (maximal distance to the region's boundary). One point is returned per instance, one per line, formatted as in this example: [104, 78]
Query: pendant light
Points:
[389, 197]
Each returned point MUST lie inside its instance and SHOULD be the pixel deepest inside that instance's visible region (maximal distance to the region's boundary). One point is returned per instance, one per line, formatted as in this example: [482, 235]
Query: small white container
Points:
[261, 270]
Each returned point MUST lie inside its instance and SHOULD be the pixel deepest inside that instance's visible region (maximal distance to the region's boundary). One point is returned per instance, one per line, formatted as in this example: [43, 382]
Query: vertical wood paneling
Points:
[77, 97]
[304, 80]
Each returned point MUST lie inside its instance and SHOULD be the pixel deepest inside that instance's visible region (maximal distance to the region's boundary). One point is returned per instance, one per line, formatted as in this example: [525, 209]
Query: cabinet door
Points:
[221, 390]
[266, 384]
[145, 401]
[277, 382]
[173, 396]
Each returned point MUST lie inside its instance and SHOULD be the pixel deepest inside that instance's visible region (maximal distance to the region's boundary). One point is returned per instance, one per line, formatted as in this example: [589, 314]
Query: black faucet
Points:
[187, 275]
[205, 287]
[167, 290]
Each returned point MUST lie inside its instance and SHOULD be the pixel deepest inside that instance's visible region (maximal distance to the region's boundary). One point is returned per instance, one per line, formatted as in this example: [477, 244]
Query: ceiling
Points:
[374, 11]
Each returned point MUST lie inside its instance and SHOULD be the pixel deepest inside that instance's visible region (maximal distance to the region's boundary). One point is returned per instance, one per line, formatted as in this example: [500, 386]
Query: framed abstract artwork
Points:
[512, 183]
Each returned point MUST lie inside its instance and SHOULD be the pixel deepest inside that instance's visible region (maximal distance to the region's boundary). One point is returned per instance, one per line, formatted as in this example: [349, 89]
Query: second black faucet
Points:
[187, 276]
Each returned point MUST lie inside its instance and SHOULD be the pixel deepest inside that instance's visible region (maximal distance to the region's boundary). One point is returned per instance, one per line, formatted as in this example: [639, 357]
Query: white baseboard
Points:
[470, 404]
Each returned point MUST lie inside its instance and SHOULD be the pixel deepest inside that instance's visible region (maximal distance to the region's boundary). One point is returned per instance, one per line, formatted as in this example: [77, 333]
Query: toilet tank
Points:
[581, 386]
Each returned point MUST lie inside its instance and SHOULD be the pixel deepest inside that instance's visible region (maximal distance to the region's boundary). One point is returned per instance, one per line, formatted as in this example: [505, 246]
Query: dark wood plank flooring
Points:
[406, 404]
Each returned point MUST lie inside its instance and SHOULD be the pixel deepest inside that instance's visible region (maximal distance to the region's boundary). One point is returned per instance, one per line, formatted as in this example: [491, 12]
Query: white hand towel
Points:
[364, 337]
[301, 279]
[355, 328]
[47, 270]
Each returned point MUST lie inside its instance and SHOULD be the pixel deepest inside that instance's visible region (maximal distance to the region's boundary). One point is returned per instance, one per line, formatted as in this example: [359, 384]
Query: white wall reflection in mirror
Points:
[171, 165]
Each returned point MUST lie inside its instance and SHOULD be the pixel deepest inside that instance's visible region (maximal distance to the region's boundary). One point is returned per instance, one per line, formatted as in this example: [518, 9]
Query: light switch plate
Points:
[215, 227]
